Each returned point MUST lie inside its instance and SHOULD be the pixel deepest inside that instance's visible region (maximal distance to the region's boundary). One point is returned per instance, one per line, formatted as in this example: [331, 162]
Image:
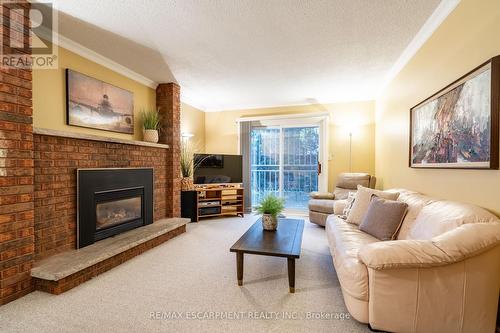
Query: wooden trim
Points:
[494, 117]
[91, 137]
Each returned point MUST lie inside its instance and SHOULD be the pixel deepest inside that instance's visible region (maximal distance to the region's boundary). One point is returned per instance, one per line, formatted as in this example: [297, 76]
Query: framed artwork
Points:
[458, 126]
[96, 104]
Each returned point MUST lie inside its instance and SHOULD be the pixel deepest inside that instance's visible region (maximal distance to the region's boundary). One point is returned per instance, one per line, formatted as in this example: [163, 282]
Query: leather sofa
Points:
[322, 205]
[441, 274]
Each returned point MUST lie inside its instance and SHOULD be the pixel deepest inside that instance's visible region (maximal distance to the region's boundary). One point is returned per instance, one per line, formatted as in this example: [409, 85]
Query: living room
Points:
[249, 165]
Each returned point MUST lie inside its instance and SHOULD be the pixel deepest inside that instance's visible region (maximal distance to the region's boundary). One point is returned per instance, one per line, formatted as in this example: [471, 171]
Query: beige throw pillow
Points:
[348, 206]
[362, 202]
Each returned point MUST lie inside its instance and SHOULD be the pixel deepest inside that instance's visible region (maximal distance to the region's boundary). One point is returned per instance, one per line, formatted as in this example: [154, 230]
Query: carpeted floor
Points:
[189, 283]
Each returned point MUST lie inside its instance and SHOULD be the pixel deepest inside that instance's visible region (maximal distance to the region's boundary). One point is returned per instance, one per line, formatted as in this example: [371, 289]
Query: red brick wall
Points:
[16, 177]
[38, 174]
[56, 161]
[169, 105]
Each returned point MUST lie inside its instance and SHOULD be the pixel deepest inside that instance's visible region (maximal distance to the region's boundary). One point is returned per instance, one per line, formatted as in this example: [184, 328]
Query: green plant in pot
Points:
[188, 165]
[151, 120]
[270, 207]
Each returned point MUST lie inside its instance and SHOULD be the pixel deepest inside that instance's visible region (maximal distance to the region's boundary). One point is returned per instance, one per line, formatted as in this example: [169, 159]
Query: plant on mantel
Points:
[151, 124]
[188, 164]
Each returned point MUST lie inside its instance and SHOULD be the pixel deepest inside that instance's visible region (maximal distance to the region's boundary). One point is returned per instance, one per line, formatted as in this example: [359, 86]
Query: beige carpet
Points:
[188, 283]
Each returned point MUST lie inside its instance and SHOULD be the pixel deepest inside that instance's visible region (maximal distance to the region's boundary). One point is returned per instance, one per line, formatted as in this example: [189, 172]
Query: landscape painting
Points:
[453, 129]
[96, 104]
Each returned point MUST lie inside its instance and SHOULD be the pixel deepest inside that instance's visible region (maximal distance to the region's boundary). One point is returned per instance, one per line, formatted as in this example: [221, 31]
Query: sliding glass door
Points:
[300, 165]
[285, 162]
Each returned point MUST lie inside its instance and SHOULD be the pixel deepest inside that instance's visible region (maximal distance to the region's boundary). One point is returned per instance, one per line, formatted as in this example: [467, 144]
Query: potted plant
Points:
[270, 207]
[150, 125]
[188, 165]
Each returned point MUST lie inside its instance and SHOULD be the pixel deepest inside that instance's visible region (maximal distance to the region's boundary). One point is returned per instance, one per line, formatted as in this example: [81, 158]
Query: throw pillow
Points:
[349, 202]
[362, 201]
[383, 218]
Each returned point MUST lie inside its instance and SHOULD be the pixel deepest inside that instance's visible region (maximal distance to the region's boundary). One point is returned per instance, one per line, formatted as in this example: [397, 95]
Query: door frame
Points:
[320, 119]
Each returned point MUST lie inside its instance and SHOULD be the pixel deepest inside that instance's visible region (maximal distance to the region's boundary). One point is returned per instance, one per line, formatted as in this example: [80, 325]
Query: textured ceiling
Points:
[229, 54]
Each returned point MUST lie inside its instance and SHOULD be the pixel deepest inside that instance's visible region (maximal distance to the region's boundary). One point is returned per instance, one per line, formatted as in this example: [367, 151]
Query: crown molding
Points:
[91, 55]
[87, 53]
[442, 11]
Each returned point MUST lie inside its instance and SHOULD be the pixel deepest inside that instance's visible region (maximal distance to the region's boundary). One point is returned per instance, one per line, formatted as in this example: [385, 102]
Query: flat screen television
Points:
[218, 169]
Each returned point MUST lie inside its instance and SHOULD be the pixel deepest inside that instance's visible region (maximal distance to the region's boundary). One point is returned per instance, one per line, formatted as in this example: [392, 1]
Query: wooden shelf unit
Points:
[230, 202]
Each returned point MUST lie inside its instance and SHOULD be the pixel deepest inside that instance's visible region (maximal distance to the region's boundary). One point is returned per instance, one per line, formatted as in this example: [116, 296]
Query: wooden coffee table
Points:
[284, 242]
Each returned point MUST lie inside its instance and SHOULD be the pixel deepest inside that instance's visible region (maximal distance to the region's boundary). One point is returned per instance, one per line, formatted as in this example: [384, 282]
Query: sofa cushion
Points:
[345, 240]
[321, 205]
[362, 201]
[415, 202]
[439, 217]
[383, 219]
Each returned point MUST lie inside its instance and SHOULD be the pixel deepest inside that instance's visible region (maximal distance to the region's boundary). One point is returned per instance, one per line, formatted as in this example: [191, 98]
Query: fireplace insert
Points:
[111, 201]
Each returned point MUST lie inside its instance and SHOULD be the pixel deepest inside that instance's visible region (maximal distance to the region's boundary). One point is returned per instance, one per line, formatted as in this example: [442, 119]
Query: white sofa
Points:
[442, 274]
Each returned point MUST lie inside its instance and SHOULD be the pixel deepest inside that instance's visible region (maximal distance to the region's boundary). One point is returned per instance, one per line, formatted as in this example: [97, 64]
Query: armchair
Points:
[322, 205]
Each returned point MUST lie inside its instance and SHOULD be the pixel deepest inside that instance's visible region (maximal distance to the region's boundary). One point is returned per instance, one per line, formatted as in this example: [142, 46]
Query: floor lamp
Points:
[350, 151]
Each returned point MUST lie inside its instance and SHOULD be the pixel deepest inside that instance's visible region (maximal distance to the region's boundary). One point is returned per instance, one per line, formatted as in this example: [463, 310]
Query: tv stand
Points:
[215, 200]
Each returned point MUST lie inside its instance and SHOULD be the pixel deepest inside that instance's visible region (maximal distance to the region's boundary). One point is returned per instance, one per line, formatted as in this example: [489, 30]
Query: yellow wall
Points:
[466, 39]
[221, 134]
[193, 121]
[49, 94]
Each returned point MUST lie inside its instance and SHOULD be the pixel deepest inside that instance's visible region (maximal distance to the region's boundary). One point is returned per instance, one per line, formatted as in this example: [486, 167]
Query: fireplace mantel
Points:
[74, 135]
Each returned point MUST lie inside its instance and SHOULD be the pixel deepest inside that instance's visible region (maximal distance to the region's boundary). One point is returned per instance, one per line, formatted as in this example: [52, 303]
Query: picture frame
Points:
[458, 127]
[92, 103]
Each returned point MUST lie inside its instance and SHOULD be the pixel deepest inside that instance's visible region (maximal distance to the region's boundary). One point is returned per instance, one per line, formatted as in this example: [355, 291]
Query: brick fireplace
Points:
[57, 159]
[38, 187]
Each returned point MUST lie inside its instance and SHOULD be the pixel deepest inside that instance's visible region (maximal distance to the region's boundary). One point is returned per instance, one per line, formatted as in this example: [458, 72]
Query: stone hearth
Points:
[65, 271]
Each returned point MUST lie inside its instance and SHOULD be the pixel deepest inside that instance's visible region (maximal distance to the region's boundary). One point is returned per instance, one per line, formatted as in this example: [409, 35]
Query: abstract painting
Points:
[458, 126]
[96, 104]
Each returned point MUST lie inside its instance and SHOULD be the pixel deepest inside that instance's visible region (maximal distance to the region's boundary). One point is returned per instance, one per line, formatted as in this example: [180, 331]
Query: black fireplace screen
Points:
[111, 201]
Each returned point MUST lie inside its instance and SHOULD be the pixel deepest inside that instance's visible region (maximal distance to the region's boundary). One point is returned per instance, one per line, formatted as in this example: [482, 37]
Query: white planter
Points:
[269, 222]
[150, 135]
